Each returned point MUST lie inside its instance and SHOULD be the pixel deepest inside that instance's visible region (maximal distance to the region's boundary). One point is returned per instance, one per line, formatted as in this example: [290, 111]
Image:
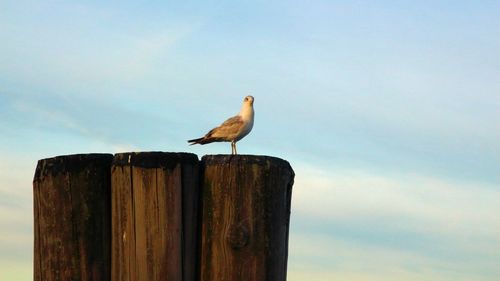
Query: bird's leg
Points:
[235, 152]
[232, 148]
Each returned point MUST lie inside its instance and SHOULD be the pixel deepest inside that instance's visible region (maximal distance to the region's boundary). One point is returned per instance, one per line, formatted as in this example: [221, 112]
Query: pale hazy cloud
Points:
[359, 225]
[420, 203]
[319, 257]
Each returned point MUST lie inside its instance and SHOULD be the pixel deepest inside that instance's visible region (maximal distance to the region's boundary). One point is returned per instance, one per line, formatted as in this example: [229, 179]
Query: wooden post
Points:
[246, 211]
[154, 218]
[137, 216]
[72, 218]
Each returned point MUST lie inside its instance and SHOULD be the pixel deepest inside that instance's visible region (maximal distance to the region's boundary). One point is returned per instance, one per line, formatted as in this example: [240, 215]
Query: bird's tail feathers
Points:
[203, 140]
[194, 141]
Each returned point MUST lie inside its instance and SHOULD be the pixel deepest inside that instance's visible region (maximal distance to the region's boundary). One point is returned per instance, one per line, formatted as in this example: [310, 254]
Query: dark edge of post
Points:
[191, 197]
[199, 221]
[69, 163]
[154, 159]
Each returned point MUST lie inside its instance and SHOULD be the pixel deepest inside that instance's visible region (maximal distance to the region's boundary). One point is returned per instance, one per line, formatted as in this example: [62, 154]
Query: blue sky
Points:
[387, 110]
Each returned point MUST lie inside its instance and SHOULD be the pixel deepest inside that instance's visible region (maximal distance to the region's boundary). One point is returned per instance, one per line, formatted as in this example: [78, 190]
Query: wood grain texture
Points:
[147, 216]
[72, 218]
[154, 198]
[246, 210]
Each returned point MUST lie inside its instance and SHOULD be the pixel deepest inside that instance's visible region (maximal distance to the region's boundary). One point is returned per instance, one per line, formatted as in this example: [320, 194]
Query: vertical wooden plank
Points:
[155, 249]
[72, 217]
[246, 209]
[173, 221]
[152, 225]
[123, 233]
[55, 226]
[156, 202]
[140, 183]
[161, 240]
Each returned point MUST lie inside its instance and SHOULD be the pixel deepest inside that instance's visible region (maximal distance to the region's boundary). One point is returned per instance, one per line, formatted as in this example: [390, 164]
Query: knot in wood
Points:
[238, 236]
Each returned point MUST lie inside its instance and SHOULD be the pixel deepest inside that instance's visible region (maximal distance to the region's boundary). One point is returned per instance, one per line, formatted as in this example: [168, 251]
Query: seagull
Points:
[233, 129]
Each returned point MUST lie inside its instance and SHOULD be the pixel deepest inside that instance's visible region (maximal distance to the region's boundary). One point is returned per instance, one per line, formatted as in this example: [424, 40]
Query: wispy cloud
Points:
[72, 51]
[439, 205]
[435, 225]
[318, 257]
[100, 122]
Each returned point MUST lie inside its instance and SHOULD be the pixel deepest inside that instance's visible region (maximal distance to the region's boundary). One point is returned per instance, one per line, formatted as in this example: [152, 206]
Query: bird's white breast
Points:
[247, 115]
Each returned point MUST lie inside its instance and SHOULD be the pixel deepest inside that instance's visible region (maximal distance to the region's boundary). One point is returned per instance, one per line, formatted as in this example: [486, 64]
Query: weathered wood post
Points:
[246, 210]
[154, 216]
[72, 218]
[161, 216]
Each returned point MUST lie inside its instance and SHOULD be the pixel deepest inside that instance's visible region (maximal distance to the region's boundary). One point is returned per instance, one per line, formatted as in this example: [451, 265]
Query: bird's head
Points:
[248, 99]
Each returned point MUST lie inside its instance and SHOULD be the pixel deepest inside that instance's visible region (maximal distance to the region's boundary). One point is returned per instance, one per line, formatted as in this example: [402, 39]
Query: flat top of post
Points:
[245, 159]
[70, 163]
[154, 159]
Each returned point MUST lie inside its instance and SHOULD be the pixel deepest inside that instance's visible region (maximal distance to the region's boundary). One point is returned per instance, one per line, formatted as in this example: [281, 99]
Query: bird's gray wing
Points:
[229, 127]
[231, 122]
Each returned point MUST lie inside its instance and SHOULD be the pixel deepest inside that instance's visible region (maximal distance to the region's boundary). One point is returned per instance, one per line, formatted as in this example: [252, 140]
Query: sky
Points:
[388, 112]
